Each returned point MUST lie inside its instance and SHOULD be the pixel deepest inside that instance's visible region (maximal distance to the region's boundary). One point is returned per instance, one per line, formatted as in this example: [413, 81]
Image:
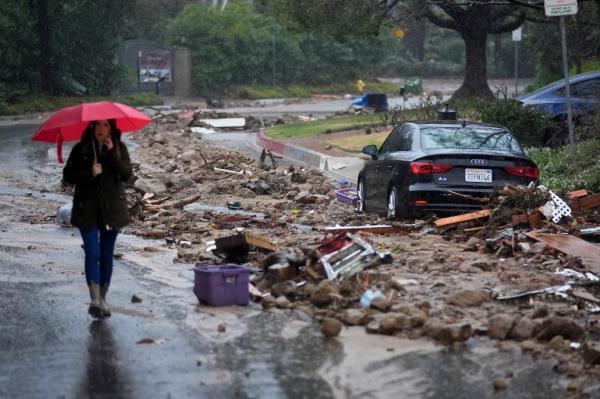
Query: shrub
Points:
[527, 124]
[560, 171]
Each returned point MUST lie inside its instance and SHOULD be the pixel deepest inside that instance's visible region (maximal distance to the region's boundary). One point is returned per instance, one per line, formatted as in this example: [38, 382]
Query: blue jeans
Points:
[99, 245]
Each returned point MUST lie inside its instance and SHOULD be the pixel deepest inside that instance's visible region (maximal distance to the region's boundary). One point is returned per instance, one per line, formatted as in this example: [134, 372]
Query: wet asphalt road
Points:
[51, 348]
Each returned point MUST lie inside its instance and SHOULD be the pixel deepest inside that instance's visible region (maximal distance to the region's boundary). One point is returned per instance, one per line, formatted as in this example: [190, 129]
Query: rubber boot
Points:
[95, 309]
[103, 305]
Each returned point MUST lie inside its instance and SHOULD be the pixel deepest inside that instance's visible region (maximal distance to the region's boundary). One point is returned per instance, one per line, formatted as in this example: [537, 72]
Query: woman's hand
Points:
[109, 143]
[96, 169]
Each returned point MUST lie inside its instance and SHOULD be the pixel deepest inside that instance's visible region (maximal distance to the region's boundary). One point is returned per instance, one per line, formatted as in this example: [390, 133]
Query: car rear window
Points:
[468, 137]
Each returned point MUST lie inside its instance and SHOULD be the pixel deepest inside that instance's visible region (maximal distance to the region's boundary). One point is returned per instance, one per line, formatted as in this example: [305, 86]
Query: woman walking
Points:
[98, 166]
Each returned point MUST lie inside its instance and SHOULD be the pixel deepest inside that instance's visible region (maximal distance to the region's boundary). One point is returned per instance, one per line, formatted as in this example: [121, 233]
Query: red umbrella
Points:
[69, 123]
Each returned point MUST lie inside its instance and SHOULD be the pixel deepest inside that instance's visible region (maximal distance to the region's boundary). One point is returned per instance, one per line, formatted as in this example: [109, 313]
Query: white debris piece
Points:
[560, 208]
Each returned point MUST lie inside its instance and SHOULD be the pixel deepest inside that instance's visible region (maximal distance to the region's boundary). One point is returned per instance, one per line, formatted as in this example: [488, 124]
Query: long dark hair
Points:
[88, 136]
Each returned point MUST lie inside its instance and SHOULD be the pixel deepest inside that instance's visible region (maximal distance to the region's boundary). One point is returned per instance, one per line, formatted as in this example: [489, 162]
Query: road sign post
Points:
[560, 8]
[516, 37]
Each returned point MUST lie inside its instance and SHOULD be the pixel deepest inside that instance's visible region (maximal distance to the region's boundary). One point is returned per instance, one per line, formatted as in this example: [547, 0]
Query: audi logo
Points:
[479, 162]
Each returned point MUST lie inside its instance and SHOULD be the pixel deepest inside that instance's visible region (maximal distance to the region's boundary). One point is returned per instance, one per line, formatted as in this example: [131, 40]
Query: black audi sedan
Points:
[440, 167]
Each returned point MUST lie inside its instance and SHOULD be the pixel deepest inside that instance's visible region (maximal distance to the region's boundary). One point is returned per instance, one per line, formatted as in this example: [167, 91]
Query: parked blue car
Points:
[551, 99]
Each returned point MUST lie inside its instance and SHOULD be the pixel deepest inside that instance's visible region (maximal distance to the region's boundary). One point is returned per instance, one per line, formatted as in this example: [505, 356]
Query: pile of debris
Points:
[523, 269]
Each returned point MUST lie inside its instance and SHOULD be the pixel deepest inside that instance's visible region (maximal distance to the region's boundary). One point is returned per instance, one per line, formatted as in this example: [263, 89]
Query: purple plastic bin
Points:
[347, 195]
[221, 285]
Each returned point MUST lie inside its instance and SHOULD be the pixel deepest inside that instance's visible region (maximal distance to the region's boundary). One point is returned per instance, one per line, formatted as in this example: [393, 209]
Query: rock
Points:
[381, 304]
[291, 194]
[286, 288]
[557, 343]
[387, 325]
[323, 294]
[528, 345]
[486, 266]
[171, 167]
[591, 352]
[432, 328]
[540, 312]
[245, 192]
[188, 156]
[373, 327]
[354, 317]
[522, 329]
[473, 244]
[499, 325]
[267, 302]
[304, 197]
[464, 298]
[457, 332]
[221, 328]
[136, 299]
[150, 186]
[553, 326]
[399, 284]
[504, 252]
[331, 327]
[500, 384]
[283, 303]
[574, 389]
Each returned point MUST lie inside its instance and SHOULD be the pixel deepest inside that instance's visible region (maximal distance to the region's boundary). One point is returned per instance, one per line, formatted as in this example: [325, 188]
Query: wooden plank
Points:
[571, 245]
[374, 229]
[589, 202]
[462, 218]
[577, 194]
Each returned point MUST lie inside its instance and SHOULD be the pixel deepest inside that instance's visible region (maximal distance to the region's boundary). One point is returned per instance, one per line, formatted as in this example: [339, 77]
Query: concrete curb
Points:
[315, 159]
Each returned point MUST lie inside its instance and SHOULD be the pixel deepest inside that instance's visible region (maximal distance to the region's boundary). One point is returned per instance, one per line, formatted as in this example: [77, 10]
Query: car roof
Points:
[561, 83]
[450, 123]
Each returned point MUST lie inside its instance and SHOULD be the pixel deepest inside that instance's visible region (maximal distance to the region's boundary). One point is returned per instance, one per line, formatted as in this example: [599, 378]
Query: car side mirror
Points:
[370, 150]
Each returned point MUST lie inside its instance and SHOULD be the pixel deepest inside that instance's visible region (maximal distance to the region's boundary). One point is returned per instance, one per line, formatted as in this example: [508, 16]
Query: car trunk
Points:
[477, 170]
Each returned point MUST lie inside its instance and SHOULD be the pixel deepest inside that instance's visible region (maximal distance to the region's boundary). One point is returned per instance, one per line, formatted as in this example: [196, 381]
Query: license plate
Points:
[478, 175]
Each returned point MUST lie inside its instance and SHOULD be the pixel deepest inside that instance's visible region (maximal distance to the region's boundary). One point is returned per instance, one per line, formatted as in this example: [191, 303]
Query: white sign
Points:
[558, 8]
[517, 34]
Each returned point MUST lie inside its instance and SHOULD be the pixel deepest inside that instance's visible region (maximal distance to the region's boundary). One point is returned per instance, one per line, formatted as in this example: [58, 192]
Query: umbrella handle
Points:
[59, 147]
[94, 149]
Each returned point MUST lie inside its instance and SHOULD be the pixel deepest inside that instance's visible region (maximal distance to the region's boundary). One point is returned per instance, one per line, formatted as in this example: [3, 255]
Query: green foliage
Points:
[527, 124]
[42, 103]
[560, 171]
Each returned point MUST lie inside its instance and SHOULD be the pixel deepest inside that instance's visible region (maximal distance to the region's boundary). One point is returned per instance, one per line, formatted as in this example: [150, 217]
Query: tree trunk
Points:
[43, 30]
[475, 83]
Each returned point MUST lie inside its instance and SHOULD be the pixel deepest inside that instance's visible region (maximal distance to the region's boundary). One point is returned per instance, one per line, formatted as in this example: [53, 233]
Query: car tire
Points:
[392, 203]
[397, 208]
[360, 194]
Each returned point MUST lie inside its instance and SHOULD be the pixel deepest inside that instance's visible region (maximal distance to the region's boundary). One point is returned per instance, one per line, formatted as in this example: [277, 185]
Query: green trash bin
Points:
[413, 85]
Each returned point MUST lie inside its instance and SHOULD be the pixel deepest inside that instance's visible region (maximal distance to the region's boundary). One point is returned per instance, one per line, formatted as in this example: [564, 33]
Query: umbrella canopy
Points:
[69, 123]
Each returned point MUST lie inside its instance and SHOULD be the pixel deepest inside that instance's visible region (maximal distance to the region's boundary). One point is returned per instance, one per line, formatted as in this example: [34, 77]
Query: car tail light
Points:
[421, 168]
[421, 202]
[524, 171]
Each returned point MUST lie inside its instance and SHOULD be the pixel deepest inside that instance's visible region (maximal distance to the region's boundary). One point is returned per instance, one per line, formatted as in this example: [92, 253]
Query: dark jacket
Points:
[99, 199]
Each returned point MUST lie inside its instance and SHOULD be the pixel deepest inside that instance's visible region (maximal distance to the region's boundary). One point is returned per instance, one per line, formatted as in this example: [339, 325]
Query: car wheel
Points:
[360, 197]
[392, 203]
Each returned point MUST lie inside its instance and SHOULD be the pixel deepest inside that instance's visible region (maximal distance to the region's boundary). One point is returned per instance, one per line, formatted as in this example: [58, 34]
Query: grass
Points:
[355, 144]
[34, 104]
[322, 126]
[256, 92]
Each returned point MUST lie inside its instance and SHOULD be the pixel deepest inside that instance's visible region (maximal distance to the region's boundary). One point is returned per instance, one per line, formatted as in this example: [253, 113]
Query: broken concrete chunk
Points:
[522, 329]
[150, 186]
[324, 293]
[283, 303]
[354, 317]
[553, 326]
[464, 298]
[499, 325]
